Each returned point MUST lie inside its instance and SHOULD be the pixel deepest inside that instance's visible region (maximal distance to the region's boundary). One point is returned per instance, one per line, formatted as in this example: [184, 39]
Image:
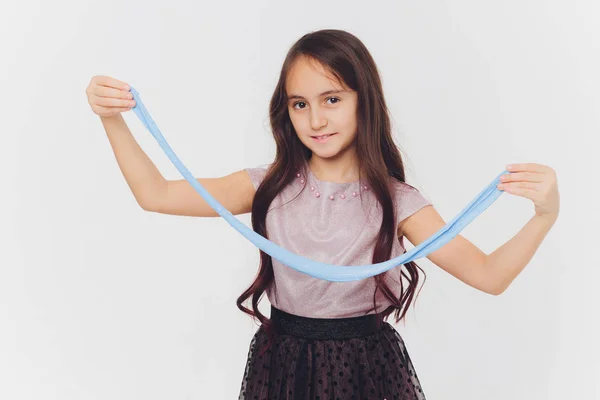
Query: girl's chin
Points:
[324, 153]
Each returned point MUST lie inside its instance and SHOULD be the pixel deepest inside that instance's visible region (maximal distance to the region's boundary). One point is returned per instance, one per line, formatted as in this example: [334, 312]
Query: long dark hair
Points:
[346, 57]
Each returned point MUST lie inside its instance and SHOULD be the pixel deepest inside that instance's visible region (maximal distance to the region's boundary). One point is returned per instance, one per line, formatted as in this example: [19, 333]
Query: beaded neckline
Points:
[329, 190]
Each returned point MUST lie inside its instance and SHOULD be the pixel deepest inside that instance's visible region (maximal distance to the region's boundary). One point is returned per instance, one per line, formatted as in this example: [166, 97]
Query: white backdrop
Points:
[101, 300]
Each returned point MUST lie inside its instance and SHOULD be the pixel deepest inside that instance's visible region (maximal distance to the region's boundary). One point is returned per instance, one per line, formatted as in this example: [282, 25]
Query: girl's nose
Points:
[317, 120]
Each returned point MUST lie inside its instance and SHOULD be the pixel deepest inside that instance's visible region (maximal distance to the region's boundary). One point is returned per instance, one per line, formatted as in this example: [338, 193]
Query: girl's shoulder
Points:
[257, 173]
[402, 187]
[408, 199]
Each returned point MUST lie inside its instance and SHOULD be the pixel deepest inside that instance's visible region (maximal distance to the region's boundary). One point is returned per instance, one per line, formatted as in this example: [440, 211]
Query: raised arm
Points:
[176, 197]
[108, 98]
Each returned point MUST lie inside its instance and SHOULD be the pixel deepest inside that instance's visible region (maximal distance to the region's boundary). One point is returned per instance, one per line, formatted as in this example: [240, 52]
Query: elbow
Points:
[151, 203]
[497, 290]
[494, 283]
[147, 206]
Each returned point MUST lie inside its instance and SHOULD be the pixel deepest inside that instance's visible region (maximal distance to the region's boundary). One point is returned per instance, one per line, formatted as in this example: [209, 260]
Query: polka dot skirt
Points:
[376, 366]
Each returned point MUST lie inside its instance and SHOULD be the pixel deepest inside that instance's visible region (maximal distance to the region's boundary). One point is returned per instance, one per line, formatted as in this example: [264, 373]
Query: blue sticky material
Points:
[329, 272]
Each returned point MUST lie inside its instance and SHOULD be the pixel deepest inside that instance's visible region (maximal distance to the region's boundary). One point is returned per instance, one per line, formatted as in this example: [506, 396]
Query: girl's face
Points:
[319, 105]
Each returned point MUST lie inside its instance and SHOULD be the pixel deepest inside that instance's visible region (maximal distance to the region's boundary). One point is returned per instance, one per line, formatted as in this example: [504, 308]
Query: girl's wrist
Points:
[548, 217]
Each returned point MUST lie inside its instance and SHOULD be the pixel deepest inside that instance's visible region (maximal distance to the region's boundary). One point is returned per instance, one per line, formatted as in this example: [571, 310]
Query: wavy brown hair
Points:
[346, 57]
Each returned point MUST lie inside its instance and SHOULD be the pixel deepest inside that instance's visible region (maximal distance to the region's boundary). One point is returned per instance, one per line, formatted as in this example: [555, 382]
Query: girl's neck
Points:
[334, 171]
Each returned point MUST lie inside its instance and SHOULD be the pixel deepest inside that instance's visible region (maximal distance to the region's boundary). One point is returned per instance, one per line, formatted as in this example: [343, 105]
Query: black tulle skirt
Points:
[321, 359]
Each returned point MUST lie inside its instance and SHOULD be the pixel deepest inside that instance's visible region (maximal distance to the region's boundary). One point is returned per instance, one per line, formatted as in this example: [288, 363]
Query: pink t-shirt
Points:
[339, 231]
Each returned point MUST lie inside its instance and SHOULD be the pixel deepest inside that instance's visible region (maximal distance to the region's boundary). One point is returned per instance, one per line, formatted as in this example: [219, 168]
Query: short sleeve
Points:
[408, 201]
[257, 174]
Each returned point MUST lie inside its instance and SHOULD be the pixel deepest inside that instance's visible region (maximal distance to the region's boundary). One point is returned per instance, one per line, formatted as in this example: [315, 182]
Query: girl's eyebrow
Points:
[297, 96]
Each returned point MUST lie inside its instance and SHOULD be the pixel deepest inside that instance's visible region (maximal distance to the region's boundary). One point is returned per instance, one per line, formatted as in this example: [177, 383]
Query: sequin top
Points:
[328, 222]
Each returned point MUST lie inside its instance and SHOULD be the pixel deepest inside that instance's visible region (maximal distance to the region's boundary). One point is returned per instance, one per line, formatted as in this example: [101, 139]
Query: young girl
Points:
[335, 193]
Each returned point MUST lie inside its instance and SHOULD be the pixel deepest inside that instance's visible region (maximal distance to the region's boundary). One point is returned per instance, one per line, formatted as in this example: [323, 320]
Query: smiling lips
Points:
[323, 138]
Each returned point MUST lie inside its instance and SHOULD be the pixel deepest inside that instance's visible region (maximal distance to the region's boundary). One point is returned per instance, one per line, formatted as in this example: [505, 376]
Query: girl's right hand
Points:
[109, 97]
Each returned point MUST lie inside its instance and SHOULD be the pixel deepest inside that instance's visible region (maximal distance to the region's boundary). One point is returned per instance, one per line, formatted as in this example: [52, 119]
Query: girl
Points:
[335, 193]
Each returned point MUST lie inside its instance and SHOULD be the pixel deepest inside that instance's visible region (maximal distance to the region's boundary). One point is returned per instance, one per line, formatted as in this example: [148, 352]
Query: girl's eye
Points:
[329, 98]
[298, 102]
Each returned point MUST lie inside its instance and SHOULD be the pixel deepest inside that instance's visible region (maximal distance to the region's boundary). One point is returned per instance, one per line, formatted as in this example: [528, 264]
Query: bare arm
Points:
[459, 257]
[495, 272]
[145, 181]
[491, 273]
[108, 98]
[235, 192]
[507, 261]
[154, 193]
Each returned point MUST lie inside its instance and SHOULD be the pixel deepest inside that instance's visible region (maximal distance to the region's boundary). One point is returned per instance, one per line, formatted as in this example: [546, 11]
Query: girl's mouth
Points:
[323, 138]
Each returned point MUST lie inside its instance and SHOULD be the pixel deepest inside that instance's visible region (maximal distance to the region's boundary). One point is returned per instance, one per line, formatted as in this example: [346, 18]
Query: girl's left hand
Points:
[535, 182]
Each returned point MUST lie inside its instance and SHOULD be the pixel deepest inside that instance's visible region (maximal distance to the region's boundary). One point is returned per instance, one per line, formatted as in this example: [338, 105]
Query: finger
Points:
[527, 167]
[109, 110]
[522, 176]
[521, 185]
[104, 91]
[112, 82]
[527, 193]
[111, 102]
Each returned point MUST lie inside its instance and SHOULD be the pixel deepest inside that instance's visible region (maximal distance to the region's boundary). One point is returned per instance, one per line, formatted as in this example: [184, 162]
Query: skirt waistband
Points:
[325, 328]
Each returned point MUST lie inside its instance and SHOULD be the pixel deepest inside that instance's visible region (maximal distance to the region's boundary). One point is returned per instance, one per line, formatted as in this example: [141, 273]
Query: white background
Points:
[101, 300]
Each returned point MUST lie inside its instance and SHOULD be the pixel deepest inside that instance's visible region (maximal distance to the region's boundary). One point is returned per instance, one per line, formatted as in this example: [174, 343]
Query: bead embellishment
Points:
[315, 189]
